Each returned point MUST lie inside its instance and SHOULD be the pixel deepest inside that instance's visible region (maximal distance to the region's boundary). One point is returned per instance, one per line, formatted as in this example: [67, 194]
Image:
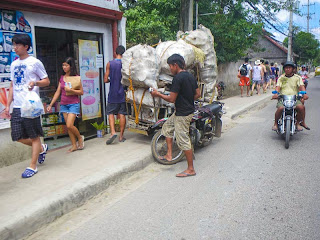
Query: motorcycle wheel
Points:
[159, 149]
[288, 129]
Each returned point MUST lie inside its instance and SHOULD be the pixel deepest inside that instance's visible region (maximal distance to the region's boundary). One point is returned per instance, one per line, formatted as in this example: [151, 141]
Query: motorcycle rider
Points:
[290, 84]
[304, 74]
[184, 90]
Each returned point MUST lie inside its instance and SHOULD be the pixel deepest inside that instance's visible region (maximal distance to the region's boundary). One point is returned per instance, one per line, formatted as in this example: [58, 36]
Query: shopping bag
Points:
[32, 106]
[73, 82]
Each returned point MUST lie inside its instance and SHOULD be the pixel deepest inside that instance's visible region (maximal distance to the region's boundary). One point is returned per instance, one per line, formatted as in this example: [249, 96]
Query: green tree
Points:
[236, 25]
[305, 45]
[149, 21]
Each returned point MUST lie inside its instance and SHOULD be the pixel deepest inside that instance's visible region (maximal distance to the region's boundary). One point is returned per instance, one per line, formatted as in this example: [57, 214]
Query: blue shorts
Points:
[70, 108]
[116, 108]
[256, 82]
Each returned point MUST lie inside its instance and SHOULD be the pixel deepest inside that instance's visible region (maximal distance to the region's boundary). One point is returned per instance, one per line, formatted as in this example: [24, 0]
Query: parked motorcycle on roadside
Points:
[205, 125]
[287, 122]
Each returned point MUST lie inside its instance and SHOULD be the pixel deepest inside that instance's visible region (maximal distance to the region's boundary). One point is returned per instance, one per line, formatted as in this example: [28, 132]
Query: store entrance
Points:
[53, 46]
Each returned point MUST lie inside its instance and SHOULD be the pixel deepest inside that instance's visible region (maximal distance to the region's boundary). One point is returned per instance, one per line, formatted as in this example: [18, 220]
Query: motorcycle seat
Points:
[213, 107]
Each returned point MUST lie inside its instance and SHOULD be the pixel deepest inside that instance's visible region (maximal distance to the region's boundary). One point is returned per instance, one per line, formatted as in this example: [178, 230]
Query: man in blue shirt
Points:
[116, 97]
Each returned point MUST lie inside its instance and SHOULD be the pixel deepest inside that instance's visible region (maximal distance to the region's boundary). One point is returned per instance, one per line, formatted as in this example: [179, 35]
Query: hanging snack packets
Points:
[22, 23]
[1, 43]
[7, 42]
[8, 20]
[14, 56]
[0, 19]
[5, 61]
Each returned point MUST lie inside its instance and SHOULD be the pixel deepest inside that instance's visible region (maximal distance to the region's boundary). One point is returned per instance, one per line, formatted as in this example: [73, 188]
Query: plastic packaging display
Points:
[5, 61]
[32, 107]
[1, 43]
[7, 42]
[22, 23]
[8, 20]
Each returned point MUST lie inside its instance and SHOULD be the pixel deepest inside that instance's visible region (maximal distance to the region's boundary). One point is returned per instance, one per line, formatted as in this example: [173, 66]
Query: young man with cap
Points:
[290, 84]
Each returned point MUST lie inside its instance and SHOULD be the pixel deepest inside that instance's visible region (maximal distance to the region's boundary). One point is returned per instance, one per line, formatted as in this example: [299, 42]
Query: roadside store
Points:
[88, 31]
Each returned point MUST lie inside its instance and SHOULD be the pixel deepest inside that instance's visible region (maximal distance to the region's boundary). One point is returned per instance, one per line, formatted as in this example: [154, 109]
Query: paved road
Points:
[248, 186]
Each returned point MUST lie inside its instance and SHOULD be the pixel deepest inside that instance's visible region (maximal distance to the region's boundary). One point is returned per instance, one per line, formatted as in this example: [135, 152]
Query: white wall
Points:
[109, 4]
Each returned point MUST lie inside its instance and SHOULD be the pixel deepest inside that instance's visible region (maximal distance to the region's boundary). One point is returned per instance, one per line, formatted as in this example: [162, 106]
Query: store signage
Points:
[99, 60]
[90, 76]
[109, 4]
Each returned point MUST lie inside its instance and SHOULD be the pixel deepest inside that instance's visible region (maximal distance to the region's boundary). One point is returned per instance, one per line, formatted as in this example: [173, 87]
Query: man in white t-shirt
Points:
[257, 76]
[244, 75]
[27, 74]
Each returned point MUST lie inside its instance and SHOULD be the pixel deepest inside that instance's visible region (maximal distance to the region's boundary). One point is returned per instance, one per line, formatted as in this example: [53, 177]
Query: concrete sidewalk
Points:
[66, 181]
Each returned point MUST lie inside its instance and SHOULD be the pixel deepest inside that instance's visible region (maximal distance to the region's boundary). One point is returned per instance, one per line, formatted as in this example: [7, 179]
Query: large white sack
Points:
[141, 63]
[203, 39]
[148, 100]
[166, 49]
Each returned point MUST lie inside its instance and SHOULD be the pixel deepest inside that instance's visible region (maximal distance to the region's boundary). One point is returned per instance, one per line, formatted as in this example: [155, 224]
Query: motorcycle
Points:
[305, 80]
[205, 125]
[220, 88]
[287, 122]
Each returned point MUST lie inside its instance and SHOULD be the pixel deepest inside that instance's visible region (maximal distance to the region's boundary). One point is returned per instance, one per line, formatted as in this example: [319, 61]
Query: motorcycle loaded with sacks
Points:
[288, 120]
[205, 125]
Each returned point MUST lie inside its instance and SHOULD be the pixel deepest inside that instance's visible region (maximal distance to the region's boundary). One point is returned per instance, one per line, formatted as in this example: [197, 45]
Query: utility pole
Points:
[289, 55]
[197, 12]
[186, 15]
[308, 14]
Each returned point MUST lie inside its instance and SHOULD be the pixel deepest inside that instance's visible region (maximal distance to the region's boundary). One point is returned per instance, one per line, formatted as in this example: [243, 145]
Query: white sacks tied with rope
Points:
[148, 100]
[202, 38]
[141, 63]
[166, 49]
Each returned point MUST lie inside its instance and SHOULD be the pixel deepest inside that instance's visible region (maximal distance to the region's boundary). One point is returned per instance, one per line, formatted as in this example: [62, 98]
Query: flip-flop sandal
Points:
[305, 127]
[184, 174]
[123, 139]
[29, 172]
[81, 148]
[274, 129]
[111, 139]
[42, 155]
[164, 159]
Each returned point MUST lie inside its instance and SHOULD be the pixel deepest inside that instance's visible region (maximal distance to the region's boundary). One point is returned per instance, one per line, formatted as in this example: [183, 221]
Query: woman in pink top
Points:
[69, 105]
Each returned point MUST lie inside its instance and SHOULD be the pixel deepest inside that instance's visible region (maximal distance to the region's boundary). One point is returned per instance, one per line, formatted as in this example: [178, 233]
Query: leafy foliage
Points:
[149, 21]
[236, 25]
[306, 46]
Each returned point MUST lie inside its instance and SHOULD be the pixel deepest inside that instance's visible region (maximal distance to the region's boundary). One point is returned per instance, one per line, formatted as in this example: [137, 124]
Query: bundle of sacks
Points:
[144, 66]
[204, 40]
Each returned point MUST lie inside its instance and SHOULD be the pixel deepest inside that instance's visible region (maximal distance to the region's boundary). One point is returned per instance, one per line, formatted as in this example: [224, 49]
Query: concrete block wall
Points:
[11, 152]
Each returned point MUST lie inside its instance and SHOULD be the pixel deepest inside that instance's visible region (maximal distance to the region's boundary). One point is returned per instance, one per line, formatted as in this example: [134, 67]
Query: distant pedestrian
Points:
[70, 104]
[116, 98]
[267, 75]
[277, 71]
[244, 73]
[273, 76]
[257, 76]
[264, 73]
[27, 72]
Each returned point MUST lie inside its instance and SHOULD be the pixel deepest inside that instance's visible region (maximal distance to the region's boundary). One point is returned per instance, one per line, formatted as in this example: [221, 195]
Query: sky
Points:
[301, 21]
